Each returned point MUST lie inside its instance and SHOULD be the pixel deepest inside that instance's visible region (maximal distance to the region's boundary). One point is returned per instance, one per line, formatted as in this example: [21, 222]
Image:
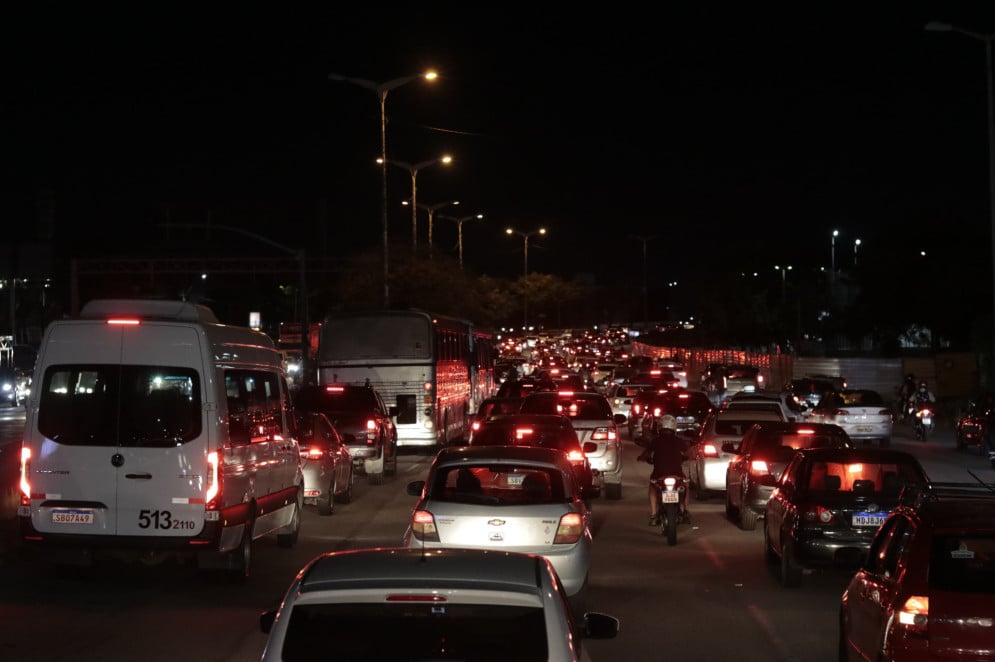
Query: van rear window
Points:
[120, 405]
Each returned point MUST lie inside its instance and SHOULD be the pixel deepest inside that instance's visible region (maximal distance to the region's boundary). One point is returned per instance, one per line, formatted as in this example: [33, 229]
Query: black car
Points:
[757, 463]
[828, 504]
[808, 391]
[364, 421]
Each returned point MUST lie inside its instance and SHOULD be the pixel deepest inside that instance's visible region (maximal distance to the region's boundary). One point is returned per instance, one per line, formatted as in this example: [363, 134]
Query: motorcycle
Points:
[923, 421]
[670, 490]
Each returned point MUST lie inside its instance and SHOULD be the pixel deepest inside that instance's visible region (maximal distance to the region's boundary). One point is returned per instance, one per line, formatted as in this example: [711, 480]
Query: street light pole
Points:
[856, 245]
[413, 168]
[431, 209]
[832, 256]
[459, 230]
[936, 26]
[784, 279]
[525, 236]
[381, 90]
[645, 240]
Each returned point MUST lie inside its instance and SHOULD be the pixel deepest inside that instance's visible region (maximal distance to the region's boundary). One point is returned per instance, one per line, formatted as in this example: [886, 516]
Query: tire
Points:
[842, 649]
[747, 518]
[732, 512]
[240, 559]
[700, 493]
[670, 514]
[770, 556]
[791, 572]
[375, 478]
[613, 491]
[326, 502]
[288, 540]
[346, 496]
[390, 465]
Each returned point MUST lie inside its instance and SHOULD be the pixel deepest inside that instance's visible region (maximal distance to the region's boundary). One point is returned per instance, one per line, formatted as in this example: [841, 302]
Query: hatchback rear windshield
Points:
[324, 399]
[417, 631]
[964, 564]
[120, 405]
[498, 484]
[526, 435]
[799, 441]
[585, 409]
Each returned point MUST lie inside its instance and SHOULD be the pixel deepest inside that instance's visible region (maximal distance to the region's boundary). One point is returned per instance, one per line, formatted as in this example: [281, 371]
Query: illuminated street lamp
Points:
[784, 279]
[525, 236]
[856, 245]
[413, 168]
[832, 256]
[459, 226]
[935, 26]
[381, 90]
[431, 209]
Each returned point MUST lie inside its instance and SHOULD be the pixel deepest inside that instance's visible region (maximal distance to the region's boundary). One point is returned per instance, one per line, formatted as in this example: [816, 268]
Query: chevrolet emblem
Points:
[496, 522]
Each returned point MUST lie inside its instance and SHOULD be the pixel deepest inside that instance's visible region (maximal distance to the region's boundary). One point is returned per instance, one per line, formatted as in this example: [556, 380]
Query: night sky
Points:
[735, 140]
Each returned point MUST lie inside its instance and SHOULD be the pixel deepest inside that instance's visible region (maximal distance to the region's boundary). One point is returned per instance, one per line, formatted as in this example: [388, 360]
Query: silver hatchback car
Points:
[505, 498]
[410, 604]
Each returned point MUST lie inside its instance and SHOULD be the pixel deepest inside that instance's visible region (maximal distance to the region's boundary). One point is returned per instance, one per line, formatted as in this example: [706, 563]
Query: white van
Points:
[155, 432]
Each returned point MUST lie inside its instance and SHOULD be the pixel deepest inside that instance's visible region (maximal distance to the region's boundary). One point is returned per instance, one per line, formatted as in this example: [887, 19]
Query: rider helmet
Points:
[922, 386]
[668, 422]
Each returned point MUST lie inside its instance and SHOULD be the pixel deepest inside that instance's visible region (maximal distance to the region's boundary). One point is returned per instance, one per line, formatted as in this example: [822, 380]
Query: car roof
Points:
[747, 414]
[538, 455]
[385, 567]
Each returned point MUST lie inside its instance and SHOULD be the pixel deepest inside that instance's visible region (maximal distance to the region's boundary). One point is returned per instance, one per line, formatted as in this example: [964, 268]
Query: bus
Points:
[435, 369]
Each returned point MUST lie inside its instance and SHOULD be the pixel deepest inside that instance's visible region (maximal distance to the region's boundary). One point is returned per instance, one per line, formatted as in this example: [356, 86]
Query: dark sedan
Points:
[828, 504]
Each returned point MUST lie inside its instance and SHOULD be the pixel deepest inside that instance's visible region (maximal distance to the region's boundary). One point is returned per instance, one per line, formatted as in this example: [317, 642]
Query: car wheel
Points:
[613, 491]
[699, 491]
[390, 464]
[791, 572]
[747, 519]
[842, 652]
[240, 558]
[732, 513]
[289, 539]
[346, 496]
[326, 502]
[770, 556]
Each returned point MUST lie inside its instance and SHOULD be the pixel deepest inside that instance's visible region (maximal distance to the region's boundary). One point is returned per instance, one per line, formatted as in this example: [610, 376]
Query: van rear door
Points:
[163, 476]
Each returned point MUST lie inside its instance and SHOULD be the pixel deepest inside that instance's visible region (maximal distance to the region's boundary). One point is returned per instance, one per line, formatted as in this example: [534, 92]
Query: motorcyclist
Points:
[921, 397]
[665, 451]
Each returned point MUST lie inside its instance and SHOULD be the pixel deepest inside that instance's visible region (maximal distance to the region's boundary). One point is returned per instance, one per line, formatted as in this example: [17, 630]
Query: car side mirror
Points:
[619, 419]
[415, 488]
[266, 620]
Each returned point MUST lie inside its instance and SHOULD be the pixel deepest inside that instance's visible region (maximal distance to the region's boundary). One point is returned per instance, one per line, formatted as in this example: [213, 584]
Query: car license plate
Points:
[74, 516]
[865, 428]
[869, 519]
[671, 497]
[515, 479]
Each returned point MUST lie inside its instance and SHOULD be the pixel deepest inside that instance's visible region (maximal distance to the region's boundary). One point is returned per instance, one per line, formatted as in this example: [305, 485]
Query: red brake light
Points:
[313, 453]
[709, 450]
[371, 424]
[818, 515]
[522, 433]
[570, 530]
[213, 481]
[25, 469]
[416, 598]
[123, 321]
[475, 426]
[683, 396]
[334, 389]
[423, 526]
[576, 456]
[914, 614]
[759, 467]
[806, 431]
[568, 394]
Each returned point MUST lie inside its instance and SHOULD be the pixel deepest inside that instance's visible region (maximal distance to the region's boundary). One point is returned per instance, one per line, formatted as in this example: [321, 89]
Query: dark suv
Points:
[364, 421]
[763, 454]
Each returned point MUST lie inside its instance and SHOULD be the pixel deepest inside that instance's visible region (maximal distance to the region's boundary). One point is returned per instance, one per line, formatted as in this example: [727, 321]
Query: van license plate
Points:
[72, 517]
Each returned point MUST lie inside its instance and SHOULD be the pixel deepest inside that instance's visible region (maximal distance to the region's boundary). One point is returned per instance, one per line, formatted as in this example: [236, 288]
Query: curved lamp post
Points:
[381, 90]
[413, 168]
[526, 236]
[936, 26]
[431, 209]
[459, 221]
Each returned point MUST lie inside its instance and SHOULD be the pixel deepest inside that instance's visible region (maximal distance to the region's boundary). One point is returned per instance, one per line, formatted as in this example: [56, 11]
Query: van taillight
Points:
[213, 494]
[25, 468]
